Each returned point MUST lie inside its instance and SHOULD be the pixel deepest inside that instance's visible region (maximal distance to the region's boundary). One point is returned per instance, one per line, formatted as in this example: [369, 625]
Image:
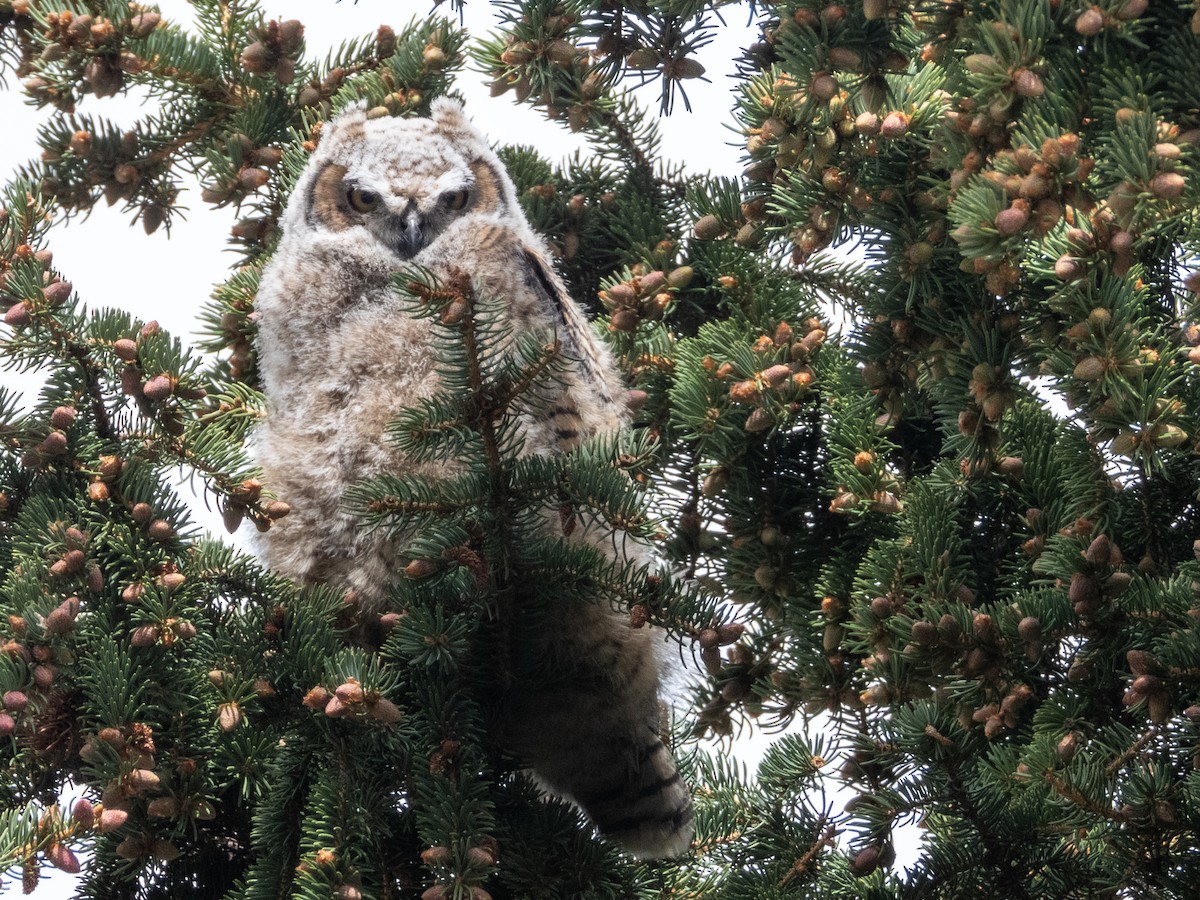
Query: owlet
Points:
[340, 359]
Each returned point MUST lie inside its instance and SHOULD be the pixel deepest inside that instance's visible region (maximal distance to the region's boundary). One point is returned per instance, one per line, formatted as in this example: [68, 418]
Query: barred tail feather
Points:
[642, 804]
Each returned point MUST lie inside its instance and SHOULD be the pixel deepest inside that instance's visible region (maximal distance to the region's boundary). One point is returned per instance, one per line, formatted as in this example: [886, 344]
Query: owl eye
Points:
[363, 201]
[455, 199]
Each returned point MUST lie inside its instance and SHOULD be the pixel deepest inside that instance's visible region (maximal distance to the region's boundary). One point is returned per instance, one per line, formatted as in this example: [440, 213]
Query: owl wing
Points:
[576, 332]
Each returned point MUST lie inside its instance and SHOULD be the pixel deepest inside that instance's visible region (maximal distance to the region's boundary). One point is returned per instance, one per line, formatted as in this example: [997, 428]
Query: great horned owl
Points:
[339, 360]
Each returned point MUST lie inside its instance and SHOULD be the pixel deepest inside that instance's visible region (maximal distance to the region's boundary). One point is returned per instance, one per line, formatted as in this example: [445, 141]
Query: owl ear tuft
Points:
[350, 120]
[448, 114]
[356, 111]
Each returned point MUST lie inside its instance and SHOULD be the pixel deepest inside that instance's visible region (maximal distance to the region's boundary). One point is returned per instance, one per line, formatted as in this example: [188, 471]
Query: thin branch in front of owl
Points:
[449, 298]
[495, 372]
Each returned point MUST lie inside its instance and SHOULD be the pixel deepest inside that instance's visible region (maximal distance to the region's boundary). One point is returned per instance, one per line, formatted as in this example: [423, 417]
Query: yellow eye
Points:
[363, 201]
[455, 199]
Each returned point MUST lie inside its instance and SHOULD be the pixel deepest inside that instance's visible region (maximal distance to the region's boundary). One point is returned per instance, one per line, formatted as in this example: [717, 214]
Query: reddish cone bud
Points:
[229, 716]
[163, 808]
[351, 692]
[1012, 220]
[158, 388]
[1028, 84]
[1090, 368]
[1083, 588]
[708, 228]
[316, 698]
[59, 622]
[84, 813]
[336, 709]
[19, 315]
[57, 294]
[143, 780]
[256, 58]
[865, 861]
[1167, 185]
[731, 632]
[142, 24]
[1030, 629]
[776, 375]
[55, 444]
[1090, 22]
[420, 568]
[160, 530]
[61, 857]
[1068, 268]
[62, 417]
[1139, 661]
[111, 819]
[759, 420]
[894, 126]
[385, 711]
[1099, 552]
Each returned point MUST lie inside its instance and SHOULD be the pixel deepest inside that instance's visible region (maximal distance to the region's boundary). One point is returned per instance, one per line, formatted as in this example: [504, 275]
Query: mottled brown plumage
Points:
[340, 359]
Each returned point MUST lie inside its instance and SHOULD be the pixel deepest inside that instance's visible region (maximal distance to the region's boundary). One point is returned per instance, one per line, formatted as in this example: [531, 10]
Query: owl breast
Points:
[339, 360]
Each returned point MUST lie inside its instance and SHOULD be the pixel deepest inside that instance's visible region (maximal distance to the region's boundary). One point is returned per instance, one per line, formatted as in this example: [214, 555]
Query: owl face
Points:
[400, 182]
[404, 221]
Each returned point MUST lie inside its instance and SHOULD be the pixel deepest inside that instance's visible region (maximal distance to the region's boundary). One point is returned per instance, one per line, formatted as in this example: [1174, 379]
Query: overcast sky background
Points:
[111, 262]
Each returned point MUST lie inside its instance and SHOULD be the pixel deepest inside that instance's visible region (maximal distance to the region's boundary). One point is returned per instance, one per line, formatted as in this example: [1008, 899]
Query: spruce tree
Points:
[916, 438]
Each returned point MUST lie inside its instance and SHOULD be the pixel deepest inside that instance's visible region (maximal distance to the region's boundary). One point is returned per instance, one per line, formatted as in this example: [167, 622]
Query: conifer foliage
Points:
[954, 534]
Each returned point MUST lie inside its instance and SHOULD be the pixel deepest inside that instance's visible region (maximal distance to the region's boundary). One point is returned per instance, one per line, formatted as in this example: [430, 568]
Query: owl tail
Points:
[629, 787]
[644, 805]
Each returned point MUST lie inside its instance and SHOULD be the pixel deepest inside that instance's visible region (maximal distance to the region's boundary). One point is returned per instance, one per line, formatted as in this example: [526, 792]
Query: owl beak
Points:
[412, 236]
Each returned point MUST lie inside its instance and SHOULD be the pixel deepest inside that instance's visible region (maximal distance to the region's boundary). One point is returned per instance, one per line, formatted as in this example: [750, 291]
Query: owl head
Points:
[400, 183]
